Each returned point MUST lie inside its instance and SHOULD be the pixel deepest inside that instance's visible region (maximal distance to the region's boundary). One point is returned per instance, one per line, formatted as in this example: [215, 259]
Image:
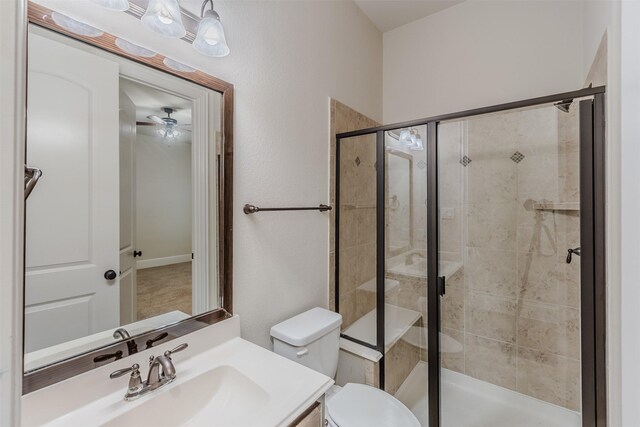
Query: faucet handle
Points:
[181, 347]
[120, 372]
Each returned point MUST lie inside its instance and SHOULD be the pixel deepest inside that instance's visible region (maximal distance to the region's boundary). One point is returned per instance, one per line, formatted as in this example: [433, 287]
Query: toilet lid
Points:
[359, 405]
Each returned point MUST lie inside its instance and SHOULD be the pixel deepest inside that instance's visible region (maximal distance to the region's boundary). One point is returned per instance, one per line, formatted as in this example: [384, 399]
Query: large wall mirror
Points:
[128, 228]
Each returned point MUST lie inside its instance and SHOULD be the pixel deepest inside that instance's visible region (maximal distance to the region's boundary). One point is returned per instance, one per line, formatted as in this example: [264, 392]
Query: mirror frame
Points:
[75, 365]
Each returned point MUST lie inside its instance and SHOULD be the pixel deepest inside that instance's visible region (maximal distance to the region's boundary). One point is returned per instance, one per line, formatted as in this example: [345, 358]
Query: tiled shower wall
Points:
[358, 235]
[515, 304]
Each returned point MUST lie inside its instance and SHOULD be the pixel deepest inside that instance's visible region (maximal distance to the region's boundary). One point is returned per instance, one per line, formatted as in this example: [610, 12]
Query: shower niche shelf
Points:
[550, 206]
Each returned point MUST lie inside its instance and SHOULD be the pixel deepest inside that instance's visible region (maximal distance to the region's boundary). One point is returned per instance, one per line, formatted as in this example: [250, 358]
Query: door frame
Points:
[592, 229]
[203, 202]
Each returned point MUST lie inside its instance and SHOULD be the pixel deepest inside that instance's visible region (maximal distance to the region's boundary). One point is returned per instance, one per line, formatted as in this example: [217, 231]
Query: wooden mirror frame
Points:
[75, 365]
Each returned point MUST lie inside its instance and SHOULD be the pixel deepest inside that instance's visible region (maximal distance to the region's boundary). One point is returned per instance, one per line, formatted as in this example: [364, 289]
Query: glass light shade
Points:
[177, 66]
[404, 136]
[119, 5]
[210, 39]
[417, 144]
[74, 26]
[134, 49]
[164, 17]
[411, 142]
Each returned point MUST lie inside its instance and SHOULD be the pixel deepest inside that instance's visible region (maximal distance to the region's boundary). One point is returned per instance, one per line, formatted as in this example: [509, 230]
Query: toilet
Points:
[312, 339]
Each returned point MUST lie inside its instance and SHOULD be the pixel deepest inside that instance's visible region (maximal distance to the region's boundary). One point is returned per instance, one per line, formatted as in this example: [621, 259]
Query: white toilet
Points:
[312, 338]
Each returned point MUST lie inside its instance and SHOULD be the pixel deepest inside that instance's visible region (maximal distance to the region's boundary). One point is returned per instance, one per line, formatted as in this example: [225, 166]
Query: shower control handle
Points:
[571, 252]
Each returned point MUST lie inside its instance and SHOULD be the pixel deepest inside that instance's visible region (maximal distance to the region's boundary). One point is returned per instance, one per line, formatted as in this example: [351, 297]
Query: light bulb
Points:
[163, 17]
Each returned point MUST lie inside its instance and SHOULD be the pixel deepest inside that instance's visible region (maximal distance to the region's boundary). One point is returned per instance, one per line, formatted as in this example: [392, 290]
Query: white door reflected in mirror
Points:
[112, 236]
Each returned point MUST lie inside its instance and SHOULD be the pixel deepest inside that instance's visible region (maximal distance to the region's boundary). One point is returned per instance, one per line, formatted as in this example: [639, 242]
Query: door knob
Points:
[110, 275]
[137, 253]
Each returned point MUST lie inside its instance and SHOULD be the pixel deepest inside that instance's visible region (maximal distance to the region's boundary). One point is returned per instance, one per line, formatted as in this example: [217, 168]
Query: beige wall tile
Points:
[569, 284]
[490, 360]
[491, 317]
[539, 277]
[550, 328]
[569, 177]
[491, 226]
[491, 271]
[348, 308]
[451, 231]
[538, 177]
[454, 361]
[452, 308]
[549, 377]
[399, 362]
[491, 180]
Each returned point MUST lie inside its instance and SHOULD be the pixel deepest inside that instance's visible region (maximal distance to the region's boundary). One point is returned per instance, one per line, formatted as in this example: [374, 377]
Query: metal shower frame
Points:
[592, 242]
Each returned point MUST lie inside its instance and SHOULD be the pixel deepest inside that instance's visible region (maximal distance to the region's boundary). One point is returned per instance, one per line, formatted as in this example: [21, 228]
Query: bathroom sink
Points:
[222, 394]
[222, 380]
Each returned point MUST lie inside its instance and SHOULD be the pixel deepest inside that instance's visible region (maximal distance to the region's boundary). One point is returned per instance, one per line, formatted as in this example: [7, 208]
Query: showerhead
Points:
[564, 105]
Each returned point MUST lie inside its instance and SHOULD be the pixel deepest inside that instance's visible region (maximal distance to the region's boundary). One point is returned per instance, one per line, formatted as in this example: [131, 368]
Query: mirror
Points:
[127, 230]
[399, 170]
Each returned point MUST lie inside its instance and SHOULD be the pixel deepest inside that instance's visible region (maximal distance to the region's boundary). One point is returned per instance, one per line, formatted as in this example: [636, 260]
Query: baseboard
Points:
[159, 262]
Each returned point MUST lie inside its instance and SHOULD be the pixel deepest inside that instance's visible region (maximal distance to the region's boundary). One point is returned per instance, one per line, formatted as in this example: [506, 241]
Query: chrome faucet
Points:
[122, 333]
[161, 372]
[409, 259]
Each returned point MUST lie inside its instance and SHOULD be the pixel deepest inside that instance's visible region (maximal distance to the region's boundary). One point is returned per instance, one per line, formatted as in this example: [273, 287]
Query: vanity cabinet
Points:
[312, 417]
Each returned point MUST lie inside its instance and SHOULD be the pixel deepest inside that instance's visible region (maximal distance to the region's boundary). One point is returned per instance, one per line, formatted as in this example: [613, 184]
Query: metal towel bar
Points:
[251, 209]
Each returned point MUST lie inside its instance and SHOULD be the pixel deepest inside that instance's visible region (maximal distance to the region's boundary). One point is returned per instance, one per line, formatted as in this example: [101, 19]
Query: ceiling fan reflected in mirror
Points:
[168, 127]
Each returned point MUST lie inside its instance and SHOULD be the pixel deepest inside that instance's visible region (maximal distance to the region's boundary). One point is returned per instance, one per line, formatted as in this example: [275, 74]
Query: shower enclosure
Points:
[469, 252]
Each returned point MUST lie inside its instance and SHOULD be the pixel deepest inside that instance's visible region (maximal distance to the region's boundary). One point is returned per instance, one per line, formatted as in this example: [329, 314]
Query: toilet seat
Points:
[359, 405]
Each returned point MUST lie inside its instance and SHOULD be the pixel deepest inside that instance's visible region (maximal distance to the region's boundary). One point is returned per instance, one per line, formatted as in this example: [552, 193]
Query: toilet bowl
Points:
[312, 339]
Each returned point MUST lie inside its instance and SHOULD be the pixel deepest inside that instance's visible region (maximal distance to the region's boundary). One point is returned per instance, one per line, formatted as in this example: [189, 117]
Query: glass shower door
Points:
[405, 267]
[509, 246]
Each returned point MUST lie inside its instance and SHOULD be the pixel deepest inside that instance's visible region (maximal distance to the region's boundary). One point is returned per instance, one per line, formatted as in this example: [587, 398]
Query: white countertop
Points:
[264, 389]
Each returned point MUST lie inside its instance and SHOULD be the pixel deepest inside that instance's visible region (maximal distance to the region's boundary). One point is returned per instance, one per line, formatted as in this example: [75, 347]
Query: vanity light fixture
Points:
[210, 39]
[119, 5]
[134, 49]
[410, 138]
[164, 17]
[74, 26]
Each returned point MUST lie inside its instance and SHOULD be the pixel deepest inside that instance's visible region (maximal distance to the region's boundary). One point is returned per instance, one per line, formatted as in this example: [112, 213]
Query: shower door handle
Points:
[441, 285]
[31, 177]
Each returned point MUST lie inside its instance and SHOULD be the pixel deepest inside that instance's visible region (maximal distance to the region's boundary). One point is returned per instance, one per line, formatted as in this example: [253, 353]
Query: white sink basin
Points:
[223, 394]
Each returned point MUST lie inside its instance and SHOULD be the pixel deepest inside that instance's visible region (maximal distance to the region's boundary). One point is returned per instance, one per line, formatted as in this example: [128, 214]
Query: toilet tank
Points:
[311, 338]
